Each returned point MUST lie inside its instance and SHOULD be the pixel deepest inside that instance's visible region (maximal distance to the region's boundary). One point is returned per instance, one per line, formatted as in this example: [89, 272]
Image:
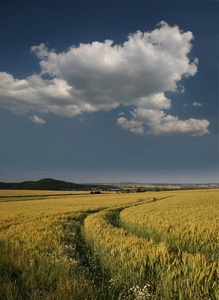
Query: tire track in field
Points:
[75, 245]
[179, 265]
[80, 254]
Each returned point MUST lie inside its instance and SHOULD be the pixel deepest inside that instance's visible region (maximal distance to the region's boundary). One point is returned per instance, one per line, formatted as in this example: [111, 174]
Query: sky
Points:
[109, 91]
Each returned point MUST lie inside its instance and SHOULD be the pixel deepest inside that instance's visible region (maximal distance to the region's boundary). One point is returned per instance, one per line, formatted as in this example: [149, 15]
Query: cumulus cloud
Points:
[37, 120]
[133, 126]
[158, 123]
[103, 76]
[172, 125]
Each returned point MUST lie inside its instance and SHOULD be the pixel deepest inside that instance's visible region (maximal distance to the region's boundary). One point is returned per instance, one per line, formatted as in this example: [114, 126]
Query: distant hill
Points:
[50, 184]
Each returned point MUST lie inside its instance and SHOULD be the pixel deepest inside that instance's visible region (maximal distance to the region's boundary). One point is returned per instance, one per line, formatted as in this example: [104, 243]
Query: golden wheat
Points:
[163, 243]
[185, 274]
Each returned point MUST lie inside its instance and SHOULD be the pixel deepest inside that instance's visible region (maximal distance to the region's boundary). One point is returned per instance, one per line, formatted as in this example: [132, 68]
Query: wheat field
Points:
[152, 245]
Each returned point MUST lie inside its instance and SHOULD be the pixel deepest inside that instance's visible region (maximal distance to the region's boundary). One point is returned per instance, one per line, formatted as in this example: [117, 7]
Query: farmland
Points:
[152, 245]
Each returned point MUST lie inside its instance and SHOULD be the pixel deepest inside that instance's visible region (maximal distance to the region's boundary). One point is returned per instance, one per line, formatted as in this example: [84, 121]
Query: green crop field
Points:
[152, 245]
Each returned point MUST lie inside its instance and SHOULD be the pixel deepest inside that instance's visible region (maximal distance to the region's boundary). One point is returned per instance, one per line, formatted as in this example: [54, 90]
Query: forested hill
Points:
[50, 184]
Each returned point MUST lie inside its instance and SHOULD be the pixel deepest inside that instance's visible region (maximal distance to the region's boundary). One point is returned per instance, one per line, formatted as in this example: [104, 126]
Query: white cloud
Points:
[150, 117]
[103, 76]
[172, 125]
[154, 101]
[158, 123]
[133, 126]
[197, 104]
[37, 120]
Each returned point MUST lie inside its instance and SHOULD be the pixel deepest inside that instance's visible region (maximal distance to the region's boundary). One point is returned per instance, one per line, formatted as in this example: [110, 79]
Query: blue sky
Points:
[109, 91]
